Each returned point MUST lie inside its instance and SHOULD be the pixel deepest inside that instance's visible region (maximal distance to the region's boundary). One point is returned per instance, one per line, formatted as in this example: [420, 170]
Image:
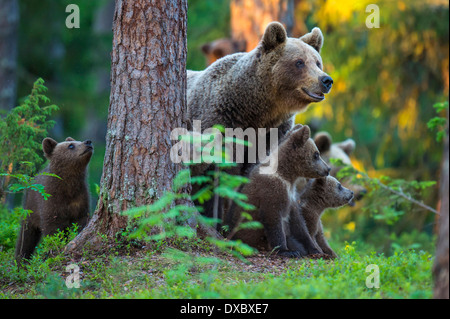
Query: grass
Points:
[199, 273]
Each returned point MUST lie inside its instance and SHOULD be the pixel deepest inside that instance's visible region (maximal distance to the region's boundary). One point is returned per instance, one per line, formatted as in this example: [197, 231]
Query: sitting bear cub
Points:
[319, 194]
[272, 193]
[69, 200]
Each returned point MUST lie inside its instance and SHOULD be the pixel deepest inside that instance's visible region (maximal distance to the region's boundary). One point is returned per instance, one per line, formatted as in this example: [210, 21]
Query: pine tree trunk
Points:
[147, 101]
[9, 23]
[249, 18]
[441, 266]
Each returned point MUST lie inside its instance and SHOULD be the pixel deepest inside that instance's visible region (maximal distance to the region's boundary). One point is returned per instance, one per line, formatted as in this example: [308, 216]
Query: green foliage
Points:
[25, 182]
[9, 226]
[40, 268]
[208, 20]
[387, 199]
[439, 123]
[176, 274]
[22, 131]
[385, 80]
[172, 217]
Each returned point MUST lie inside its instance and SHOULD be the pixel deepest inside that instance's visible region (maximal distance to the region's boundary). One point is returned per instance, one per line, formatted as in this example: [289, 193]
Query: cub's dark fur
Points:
[69, 200]
[320, 194]
[273, 194]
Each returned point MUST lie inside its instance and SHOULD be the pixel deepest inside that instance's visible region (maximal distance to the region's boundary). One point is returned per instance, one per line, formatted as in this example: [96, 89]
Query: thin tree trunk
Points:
[9, 23]
[147, 101]
[441, 267]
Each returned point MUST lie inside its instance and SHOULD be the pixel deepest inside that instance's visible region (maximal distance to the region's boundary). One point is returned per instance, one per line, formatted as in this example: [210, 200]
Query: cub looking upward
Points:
[69, 200]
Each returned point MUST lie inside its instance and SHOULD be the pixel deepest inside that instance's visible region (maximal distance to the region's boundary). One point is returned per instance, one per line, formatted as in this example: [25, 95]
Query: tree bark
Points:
[249, 18]
[9, 22]
[441, 267]
[147, 101]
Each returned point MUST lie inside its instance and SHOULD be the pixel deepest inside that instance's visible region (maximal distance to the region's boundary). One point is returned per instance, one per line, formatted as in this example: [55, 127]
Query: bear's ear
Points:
[301, 135]
[274, 35]
[314, 39]
[69, 139]
[48, 145]
[323, 141]
[348, 146]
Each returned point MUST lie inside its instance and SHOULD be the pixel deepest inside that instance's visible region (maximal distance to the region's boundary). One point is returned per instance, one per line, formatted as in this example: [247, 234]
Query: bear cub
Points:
[338, 150]
[69, 200]
[272, 193]
[320, 194]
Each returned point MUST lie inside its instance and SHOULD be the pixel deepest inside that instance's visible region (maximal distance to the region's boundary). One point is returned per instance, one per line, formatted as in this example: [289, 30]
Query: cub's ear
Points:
[274, 35]
[323, 141]
[69, 139]
[48, 145]
[348, 146]
[301, 135]
[206, 48]
[314, 39]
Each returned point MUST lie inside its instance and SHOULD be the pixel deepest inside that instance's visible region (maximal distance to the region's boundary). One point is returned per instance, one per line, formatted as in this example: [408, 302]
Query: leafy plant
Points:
[439, 123]
[390, 198]
[170, 216]
[25, 182]
[22, 130]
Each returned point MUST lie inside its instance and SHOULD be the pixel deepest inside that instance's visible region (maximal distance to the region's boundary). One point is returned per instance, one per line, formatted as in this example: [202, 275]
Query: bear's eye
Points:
[300, 63]
[316, 155]
[340, 187]
[319, 65]
[71, 146]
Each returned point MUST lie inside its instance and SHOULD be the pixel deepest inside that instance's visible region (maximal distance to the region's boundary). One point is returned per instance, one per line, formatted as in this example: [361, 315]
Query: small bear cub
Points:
[272, 194]
[320, 194]
[69, 200]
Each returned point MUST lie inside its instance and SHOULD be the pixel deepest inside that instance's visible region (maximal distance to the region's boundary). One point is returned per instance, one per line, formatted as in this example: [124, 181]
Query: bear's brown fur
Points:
[262, 88]
[338, 150]
[272, 194]
[69, 200]
[320, 194]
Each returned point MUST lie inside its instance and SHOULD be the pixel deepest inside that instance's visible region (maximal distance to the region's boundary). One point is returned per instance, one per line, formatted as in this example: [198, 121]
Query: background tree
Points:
[441, 265]
[249, 18]
[147, 101]
[9, 22]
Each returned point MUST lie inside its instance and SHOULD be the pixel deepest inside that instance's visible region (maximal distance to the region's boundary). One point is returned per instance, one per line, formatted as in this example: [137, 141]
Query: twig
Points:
[412, 200]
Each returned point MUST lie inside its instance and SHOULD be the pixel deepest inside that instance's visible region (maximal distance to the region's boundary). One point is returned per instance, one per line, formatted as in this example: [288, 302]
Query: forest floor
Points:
[169, 273]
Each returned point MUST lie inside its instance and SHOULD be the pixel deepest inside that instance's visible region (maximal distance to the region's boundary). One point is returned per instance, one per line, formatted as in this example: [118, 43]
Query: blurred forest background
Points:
[386, 81]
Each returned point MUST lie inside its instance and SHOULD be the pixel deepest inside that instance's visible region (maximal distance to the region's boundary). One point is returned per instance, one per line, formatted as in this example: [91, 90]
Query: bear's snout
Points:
[326, 83]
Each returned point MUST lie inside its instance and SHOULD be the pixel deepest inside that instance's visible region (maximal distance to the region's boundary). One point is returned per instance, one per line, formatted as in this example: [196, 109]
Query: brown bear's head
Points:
[328, 192]
[70, 155]
[294, 67]
[299, 155]
[341, 151]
